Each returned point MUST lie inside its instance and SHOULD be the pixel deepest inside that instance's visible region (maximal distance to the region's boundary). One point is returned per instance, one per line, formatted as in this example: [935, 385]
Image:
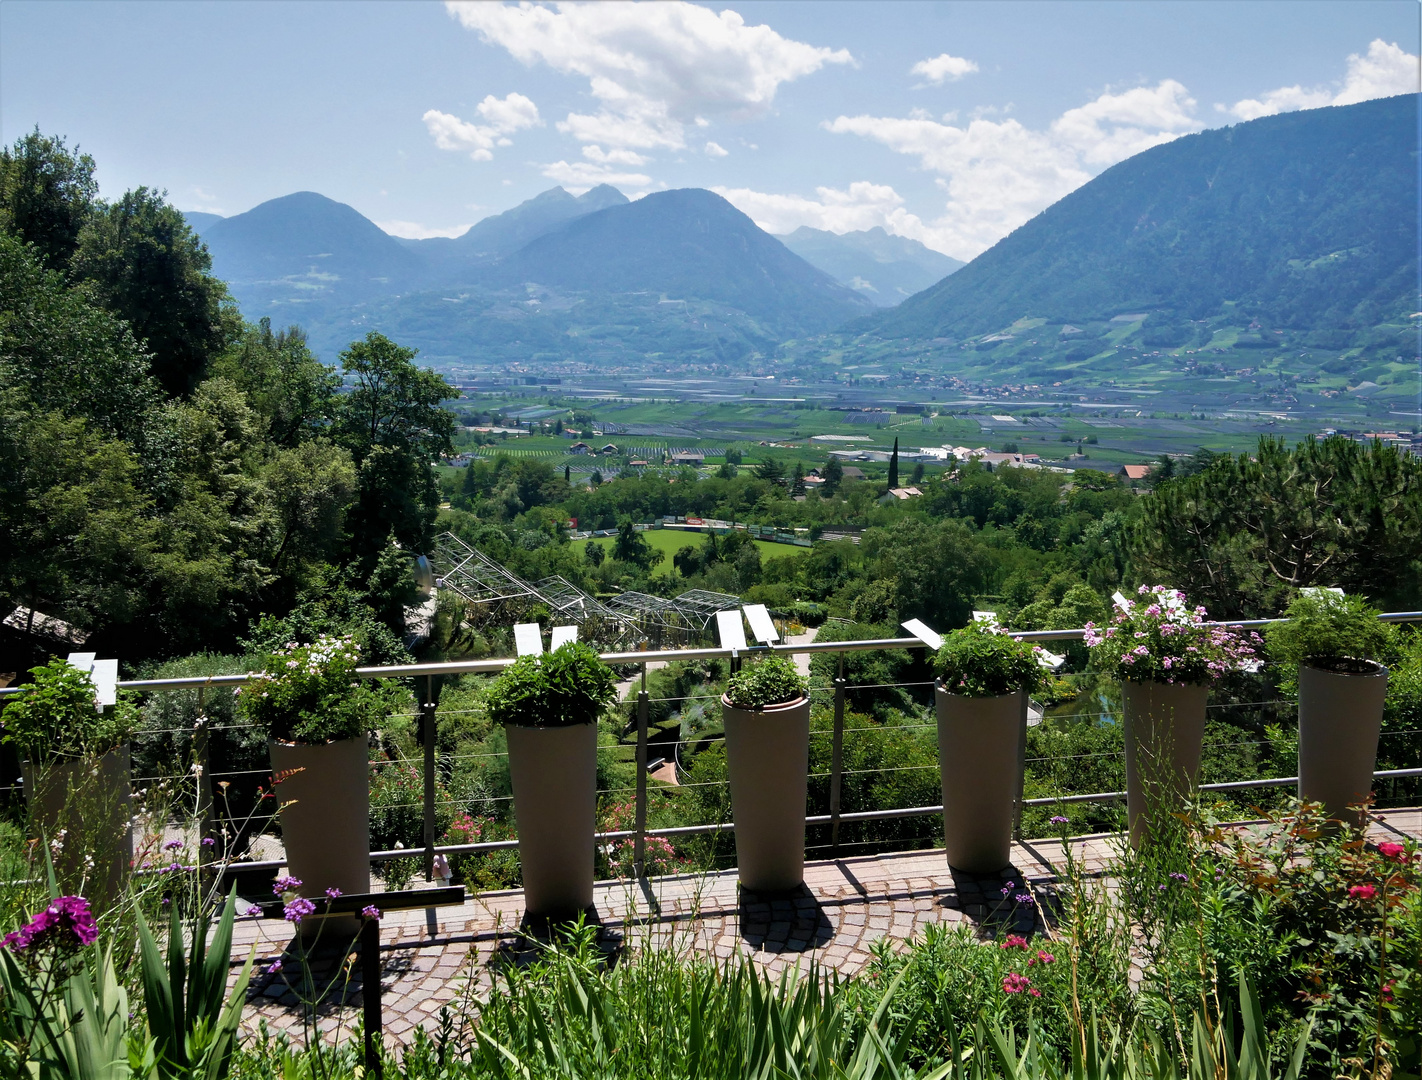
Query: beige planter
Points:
[1339, 719]
[88, 800]
[325, 818]
[978, 741]
[554, 774]
[1165, 728]
[768, 758]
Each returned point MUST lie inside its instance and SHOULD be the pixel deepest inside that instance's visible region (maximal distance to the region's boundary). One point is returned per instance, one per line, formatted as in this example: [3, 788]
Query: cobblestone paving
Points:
[434, 958]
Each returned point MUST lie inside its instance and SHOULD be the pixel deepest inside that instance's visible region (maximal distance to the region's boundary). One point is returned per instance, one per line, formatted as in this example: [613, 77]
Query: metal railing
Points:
[427, 715]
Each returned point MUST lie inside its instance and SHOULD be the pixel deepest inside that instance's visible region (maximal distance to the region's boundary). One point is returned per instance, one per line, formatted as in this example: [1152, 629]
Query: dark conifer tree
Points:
[894, 465]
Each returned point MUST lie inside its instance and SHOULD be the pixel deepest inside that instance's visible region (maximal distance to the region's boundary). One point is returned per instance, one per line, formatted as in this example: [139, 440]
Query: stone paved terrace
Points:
[429, 957]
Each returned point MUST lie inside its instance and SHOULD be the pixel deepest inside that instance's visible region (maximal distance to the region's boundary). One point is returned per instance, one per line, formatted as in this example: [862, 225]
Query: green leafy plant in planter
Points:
[980, 660]
[310, 694]
[772, 681]
[571, 685]
[1325, 630]
[58, 717]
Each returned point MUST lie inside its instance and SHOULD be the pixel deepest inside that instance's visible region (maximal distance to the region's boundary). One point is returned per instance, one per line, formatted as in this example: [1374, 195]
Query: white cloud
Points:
[944, 68]
[504, 115]
[998, 174]
[715, 149]
[1385, 71]
[653, 68]
[862, 205]
[596, 153]
[579, 176]
[413, 230]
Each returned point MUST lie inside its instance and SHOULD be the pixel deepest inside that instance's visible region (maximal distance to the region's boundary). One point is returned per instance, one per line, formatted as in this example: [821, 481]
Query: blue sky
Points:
[949, 122]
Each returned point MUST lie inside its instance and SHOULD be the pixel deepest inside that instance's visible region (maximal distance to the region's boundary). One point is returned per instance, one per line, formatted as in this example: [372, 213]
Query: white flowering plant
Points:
[1160, 638]
[310, 694]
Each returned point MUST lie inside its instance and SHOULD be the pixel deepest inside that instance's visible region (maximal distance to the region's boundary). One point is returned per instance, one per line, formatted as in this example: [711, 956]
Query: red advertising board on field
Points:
[695, 521]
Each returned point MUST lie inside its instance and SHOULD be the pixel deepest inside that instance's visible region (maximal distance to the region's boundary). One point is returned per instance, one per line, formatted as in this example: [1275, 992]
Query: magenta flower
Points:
[65, 922]
[1013, 983]
[1362, 892]
[371, 912]
[1392, 851]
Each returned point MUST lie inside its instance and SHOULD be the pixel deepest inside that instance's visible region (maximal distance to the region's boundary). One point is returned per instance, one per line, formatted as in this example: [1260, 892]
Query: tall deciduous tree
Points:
[47, 193]
[151, 270]
[392, 423]
[285, 384]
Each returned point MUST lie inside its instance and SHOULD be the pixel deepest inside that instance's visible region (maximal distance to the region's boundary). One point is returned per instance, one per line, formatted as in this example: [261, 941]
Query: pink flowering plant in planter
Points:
[1159, 638]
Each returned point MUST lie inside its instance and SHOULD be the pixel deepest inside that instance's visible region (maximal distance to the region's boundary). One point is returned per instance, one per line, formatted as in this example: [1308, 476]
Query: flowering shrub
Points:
[980, 660]
[659, 856]
[397, 806]
[482, 870]
[1161, 639]
[310, 694]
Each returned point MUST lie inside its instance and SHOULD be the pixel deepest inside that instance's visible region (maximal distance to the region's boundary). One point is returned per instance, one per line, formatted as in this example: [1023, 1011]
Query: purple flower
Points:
[285, 885]
[298, 909]
[1058, 820]
[1024, 898]
[275, 968]
[332, 893]
[371, 912]
[172, 845]
[208, 841]
[66, 921]
[255, 911]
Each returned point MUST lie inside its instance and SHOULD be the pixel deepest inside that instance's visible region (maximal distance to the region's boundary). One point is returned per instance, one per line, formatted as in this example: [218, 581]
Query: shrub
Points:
[310, 694]
[1163, 640]
[569, 686]
[1325, 630]
[482, 871]
[397, 807]
[979, 660]
[58, 716]
[771, 681]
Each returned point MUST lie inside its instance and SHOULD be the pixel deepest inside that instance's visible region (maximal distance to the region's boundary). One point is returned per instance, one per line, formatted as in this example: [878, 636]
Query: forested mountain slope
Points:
[1309, 218]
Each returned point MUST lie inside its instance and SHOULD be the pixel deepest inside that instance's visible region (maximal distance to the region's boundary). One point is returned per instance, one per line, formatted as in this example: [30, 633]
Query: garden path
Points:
[435, 958]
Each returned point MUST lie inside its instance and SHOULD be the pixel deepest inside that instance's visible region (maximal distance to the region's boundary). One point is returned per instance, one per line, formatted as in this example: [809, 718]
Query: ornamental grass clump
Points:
[310, 694]
[1160, 639]
[571, 685]
[1336, 633]
[59, 716]
[772, 681]
[980, 660]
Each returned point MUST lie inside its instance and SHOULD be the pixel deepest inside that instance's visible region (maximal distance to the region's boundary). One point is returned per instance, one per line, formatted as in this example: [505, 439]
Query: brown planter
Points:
[768, 759]
[1165, 729]
[978, 742]
[554, 774]
[88, 798]
[1340, 716]
[325, 818]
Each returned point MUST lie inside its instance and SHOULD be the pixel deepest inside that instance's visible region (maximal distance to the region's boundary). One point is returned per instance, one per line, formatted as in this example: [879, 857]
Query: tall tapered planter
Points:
[87, 800]
[554, 774]
[768, 759]
[1165, 729]
[978, 744]
[324, 792]
[1340, 715]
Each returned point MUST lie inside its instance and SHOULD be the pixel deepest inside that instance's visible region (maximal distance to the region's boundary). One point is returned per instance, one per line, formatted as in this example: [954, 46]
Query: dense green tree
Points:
[1246, 532]
[630, 546]
[151, 270]
[937, 569]
[47, 193]
[833, 475]
[392, 424]
[66, 353]
[770, 469]
[285, 384]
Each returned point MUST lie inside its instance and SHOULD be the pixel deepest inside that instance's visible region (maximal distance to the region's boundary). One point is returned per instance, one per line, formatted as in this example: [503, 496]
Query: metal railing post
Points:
[429, 735]
[1021, 791]
[202, 768]
[639, 841]
[837, 757]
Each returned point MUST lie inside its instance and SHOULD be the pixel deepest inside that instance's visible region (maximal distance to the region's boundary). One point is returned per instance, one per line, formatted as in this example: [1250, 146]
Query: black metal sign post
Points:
[405, 900]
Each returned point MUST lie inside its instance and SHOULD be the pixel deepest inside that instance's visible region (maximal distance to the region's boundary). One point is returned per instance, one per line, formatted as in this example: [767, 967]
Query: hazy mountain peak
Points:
[883, 267]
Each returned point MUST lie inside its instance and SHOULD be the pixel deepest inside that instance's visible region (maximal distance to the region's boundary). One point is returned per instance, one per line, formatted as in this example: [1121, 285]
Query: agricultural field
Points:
[670, 541]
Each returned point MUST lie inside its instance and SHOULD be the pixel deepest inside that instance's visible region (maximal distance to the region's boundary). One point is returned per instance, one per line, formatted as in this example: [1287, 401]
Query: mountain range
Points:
[596, 275]
[1285, 241]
